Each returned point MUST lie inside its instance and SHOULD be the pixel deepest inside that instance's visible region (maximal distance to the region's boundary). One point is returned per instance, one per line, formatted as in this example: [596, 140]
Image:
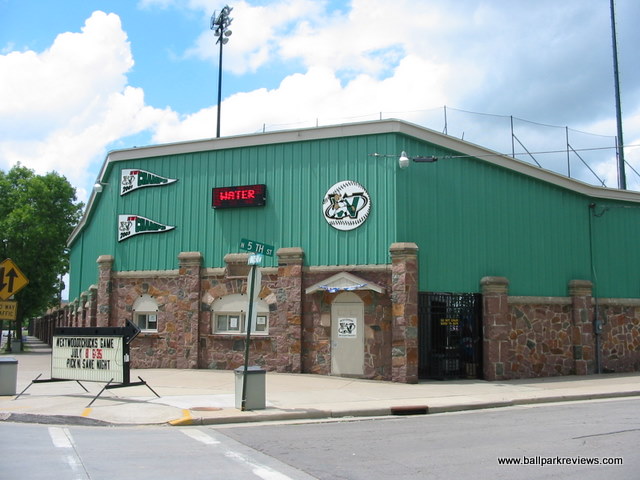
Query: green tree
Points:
[37, 215]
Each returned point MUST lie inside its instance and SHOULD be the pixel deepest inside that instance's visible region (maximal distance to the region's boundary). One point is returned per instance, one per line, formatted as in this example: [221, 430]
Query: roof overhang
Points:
[344, 282]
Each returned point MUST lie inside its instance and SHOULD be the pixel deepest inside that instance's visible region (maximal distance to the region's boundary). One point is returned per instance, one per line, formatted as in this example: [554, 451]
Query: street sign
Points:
[8, 310]
[12, 280]
[256, 247]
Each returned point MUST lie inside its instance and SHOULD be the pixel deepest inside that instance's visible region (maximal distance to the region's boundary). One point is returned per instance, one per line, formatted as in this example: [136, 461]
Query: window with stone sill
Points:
[146, 322]
[236, 323]
[229, 316]
[145, 314]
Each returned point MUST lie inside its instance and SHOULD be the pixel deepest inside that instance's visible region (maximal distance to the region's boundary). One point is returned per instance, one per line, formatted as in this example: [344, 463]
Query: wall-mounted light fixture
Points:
[98, 187]
[404, 159]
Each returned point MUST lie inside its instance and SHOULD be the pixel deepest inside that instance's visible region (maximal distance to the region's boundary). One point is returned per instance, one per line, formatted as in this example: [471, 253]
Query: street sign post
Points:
[12, 280]
[258, 249]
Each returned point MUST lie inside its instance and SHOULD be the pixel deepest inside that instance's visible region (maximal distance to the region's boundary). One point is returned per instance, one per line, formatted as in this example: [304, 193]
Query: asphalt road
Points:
[445, 446]
[466, 444]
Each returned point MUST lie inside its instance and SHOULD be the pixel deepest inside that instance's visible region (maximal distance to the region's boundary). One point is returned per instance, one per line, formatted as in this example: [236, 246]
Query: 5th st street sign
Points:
[12, 280]
[256, 247]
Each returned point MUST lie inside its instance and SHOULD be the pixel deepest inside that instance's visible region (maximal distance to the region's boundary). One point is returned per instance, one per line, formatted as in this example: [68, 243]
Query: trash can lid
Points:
[251, 369]
[8, 360]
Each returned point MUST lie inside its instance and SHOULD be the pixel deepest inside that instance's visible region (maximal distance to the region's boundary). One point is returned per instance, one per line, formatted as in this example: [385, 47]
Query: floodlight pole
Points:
[622, 177]
[220, 25]
[219, 90]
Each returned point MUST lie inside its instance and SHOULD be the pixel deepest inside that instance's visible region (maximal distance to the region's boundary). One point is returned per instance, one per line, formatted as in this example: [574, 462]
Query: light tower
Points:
[220, 25]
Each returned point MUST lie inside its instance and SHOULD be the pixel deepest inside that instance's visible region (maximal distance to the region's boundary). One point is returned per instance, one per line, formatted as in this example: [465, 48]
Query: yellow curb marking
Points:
[185, 420]
[86, 412]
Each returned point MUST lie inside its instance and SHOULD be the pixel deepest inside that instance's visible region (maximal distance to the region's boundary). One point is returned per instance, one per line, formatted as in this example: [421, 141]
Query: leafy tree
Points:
[37, 215]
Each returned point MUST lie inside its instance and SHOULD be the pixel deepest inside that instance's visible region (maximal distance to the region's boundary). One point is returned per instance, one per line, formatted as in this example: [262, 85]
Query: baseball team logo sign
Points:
[133, 178]
[346, 205]
[131, 225]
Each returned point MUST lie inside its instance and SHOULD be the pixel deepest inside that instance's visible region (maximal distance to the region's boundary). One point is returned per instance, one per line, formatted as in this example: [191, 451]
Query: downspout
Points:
[597, 324]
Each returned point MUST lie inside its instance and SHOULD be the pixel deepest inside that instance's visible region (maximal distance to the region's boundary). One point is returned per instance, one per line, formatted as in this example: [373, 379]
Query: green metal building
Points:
[459, 212]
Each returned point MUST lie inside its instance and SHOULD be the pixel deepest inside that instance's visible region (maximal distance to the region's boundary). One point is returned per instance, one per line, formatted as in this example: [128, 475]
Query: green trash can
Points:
[255, 398]
[8, 375]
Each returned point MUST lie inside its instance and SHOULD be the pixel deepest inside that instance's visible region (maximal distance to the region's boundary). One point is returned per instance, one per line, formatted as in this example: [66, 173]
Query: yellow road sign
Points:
[8, 310]
[12, 280]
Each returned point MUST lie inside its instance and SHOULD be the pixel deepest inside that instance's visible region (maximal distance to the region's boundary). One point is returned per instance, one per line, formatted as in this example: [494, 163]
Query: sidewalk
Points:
[204, 397]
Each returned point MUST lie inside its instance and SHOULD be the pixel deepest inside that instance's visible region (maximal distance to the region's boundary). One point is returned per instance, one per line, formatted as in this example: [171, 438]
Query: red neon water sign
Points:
[241, 196]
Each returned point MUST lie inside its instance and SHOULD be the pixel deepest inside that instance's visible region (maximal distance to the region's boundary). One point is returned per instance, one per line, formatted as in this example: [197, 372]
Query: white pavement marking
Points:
[199, 436]
[258, 469]
[61, 438]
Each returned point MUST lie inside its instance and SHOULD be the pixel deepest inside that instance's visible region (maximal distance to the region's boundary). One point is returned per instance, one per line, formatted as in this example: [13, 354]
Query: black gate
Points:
[450, 335]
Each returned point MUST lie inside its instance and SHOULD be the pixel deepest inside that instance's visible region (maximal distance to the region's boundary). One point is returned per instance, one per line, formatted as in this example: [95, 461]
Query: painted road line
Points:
[258, 469]
[61, 438]
[227, 449]
[199, 436]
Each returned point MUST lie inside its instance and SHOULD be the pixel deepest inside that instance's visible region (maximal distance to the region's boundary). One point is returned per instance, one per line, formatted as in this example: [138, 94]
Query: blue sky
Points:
[81, 77]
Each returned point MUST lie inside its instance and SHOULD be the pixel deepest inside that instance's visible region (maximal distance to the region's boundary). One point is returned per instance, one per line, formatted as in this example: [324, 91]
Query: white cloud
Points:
[60, 108]
[257, 32]
[303, 99]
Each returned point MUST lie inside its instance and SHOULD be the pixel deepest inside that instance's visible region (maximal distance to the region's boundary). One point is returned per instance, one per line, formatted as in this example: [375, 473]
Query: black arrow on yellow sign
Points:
[12, 280]
[11, 275]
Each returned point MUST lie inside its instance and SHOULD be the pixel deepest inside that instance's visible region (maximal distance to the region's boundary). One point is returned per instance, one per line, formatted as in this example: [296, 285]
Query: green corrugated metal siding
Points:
[616, 254]
[471, 219]
[297, 176]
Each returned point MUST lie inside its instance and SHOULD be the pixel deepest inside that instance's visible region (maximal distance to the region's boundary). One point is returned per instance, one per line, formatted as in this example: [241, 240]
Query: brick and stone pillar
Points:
[582, 334]
[404, 312]
[185, 311]
[82, 313]
[93, 306]
[496, 324]
[289, 298]
[105, 288]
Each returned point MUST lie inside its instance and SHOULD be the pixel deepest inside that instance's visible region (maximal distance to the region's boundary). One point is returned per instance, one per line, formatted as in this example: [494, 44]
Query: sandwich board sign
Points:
[93, 354]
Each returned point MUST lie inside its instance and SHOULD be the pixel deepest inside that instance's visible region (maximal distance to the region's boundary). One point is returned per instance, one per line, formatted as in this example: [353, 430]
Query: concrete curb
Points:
[53, 419]
[311, 414]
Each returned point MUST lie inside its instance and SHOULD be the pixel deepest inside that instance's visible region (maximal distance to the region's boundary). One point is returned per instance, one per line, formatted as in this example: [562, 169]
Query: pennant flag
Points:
[130, 225]
[133, 178]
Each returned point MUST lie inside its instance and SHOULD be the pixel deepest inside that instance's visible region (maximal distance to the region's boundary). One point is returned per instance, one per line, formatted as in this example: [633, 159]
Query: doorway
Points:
[450, 335]
[347, 335]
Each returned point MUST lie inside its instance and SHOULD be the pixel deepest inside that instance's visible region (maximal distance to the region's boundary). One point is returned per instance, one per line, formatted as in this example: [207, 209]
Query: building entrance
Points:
[347, 335]
[450, 335]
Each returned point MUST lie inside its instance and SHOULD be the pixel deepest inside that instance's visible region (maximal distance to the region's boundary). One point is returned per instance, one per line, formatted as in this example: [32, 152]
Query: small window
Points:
[230, 316]
[144, 313]
[261, 324]
[147, 322]
[236, 323]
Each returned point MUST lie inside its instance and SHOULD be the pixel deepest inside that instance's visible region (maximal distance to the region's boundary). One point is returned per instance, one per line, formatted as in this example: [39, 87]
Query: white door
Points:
[347, 335]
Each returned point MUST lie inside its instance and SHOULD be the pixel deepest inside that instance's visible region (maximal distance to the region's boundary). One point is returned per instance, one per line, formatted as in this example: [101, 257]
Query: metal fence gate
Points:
[450, 335]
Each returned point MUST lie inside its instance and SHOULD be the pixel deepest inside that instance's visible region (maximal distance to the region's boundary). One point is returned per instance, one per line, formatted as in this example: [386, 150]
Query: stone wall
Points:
[299, 323]
[526, 337]
[620, 339]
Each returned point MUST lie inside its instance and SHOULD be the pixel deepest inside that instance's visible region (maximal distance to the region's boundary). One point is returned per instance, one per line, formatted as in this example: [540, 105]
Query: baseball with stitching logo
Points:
[346, 205]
